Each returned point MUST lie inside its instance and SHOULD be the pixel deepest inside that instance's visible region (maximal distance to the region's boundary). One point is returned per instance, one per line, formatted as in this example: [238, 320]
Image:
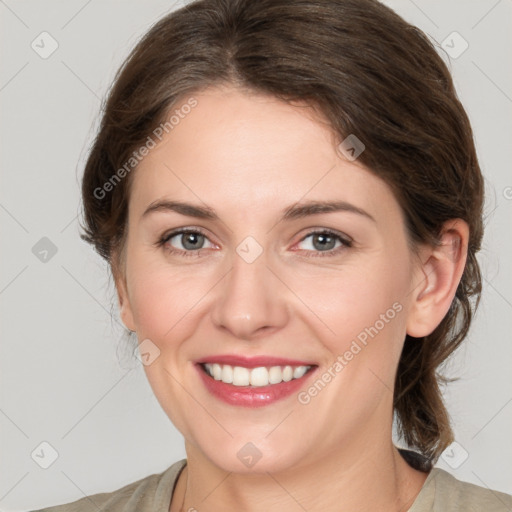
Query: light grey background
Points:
[61, 379]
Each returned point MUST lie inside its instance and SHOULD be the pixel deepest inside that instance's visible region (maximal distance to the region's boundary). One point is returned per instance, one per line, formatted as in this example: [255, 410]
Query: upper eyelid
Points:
[180, 231]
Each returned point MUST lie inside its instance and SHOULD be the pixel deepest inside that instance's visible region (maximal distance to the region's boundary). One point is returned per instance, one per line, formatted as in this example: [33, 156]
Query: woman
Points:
[289, 197]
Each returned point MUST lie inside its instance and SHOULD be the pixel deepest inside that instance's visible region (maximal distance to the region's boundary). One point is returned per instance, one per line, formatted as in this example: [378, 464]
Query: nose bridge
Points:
[249, 301]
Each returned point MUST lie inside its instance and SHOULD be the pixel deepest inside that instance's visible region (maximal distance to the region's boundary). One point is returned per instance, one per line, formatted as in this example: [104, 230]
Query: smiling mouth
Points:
[260, 376]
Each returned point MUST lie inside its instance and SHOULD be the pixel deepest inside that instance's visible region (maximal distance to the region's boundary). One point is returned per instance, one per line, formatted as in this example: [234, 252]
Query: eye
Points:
[324, 241]
[189, 242]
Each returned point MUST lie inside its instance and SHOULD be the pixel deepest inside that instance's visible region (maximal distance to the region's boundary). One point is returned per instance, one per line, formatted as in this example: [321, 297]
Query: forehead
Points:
[245, 151]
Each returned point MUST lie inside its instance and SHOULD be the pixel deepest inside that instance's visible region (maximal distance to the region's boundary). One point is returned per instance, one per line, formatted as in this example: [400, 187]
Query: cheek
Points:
[363, 316]
[356, 301]
[165, 302]
[161, 298]
[165, 298]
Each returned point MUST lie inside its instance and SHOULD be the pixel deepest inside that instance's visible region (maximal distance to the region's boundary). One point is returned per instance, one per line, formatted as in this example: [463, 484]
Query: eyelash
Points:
[346, 242]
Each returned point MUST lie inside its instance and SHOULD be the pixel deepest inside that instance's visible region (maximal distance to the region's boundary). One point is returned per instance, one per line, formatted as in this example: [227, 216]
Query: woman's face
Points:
[257, 283]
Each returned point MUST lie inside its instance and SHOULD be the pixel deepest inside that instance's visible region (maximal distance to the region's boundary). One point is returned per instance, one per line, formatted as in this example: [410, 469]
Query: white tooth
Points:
[259, 376]
[217, 371]
[240, 376]
[299, 371]
[227, 374]
[287, 373]
[275, 375]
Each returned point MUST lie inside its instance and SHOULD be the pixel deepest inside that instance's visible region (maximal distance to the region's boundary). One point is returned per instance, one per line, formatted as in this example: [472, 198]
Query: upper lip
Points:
[252, 362]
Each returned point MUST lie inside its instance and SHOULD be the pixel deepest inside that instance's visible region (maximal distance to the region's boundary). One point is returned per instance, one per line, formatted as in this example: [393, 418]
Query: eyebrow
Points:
[295, 211]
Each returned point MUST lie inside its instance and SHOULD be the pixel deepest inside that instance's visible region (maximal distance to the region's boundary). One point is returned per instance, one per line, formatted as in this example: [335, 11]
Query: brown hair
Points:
[369, 73]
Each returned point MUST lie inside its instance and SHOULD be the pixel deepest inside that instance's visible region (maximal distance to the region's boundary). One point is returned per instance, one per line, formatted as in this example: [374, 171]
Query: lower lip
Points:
[247, 396]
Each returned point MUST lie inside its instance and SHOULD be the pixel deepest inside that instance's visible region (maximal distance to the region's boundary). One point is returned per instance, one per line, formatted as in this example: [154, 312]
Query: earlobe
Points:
[439, 276]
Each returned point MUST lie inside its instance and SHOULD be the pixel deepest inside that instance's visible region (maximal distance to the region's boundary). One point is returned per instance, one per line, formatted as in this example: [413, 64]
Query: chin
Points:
[258, 457]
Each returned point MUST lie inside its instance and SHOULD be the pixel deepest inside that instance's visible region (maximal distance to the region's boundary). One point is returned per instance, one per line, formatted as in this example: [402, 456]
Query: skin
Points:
[250, 156]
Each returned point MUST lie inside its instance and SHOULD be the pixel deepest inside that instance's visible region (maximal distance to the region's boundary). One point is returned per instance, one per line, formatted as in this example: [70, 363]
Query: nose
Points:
[251, 300]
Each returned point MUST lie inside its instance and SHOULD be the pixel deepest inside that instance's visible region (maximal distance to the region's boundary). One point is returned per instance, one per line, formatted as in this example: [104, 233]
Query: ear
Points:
[125, 308]
[438, 275]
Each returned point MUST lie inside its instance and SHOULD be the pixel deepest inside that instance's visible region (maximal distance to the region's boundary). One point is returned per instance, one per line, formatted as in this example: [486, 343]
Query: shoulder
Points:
[443, 492]
[152, 493]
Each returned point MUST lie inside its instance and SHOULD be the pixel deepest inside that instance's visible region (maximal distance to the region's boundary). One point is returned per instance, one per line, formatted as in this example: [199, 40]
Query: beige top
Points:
[441, 492]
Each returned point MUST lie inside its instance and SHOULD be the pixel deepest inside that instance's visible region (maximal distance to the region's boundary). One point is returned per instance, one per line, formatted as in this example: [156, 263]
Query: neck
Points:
[374, 477]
